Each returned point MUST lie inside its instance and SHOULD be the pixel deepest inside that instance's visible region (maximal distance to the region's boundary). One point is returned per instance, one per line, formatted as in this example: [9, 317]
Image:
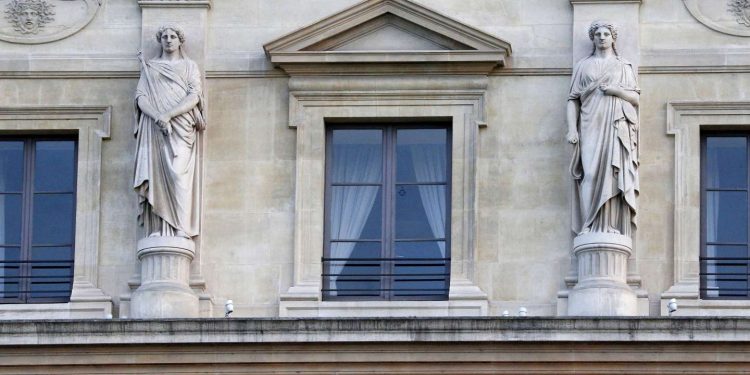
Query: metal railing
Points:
[386, 278]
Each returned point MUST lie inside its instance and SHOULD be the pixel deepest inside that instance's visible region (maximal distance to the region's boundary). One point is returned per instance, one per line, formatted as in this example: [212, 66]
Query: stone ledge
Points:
[405, 330]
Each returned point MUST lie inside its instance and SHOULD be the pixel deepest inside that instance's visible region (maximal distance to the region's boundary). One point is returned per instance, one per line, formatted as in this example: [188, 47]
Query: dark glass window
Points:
[387, 231]
[724, 216]
[37, 219]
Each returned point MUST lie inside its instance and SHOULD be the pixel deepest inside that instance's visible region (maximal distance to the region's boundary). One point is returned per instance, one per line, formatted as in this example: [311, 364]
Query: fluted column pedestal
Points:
[602, 288]
[165, 274]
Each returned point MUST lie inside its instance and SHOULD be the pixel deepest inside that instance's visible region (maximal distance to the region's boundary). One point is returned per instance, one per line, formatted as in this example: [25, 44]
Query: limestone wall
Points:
[523, 187]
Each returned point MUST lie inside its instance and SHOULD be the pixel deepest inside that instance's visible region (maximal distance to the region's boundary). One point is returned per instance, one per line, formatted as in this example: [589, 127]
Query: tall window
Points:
[387, 231]
[724, 216]
[37, 219]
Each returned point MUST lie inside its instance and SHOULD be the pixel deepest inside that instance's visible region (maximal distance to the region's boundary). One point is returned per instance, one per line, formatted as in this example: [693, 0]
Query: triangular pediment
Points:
[388, 32]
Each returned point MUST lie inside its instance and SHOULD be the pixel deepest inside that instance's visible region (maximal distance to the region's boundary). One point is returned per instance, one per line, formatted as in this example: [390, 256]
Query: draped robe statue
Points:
[604, 129]
[169, 120]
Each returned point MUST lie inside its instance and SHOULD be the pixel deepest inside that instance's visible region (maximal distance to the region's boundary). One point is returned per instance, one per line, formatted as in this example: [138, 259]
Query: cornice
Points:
[174, 3]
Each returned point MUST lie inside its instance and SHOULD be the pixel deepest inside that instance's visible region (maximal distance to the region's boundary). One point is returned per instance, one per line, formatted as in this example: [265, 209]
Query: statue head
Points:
[170, 37]
[28, 16]
[603, 35]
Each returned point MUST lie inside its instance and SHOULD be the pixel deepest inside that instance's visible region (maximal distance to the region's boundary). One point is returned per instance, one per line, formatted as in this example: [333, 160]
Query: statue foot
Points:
[613, 230]
[181, 234]
[155, 234]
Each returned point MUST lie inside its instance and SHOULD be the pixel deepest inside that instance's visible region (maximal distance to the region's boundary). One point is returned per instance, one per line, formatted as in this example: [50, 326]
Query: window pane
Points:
[421, 155]
[420, 249]
[718, 251]
[54, 166]
[420, 211]
[57, 253]
[357, 156]
[9, 271]
[9, 254]
[726, 216]
[726, 162]
[356, 212]
[10, 219]
[53, 219]
[49, 280]
[11, 166]
[356, 250]
[51, 288]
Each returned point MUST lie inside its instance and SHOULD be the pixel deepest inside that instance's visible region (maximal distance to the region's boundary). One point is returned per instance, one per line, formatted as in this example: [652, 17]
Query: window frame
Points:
[703, 284]
[30, 142]
[388, 220]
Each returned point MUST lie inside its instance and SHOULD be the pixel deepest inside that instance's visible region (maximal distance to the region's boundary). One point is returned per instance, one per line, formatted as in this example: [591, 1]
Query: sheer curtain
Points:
[429, 166]
[712, 219]
[351, 205]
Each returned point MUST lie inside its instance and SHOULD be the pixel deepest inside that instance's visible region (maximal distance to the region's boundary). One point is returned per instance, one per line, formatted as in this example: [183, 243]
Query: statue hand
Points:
[163, 121]
[572, 137]
[609, 89]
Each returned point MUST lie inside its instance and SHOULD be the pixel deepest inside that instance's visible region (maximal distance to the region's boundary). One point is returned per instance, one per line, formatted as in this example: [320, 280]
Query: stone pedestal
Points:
[602, 288]
[165, 275]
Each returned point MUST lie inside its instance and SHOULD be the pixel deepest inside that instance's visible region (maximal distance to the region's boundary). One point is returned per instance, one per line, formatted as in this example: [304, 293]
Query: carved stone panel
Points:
[726, 16]
[42, 21]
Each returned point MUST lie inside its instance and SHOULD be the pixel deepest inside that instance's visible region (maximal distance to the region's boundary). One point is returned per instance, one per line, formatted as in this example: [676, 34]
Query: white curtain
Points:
[351, 205]
[429, 166]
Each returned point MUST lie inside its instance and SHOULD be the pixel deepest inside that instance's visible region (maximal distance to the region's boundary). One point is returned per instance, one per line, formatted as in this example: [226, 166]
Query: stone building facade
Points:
[278, 77]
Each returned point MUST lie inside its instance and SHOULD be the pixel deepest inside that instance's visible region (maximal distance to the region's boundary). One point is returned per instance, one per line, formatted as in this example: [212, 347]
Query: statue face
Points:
[170, 42]
[28, 19]
[603, 38]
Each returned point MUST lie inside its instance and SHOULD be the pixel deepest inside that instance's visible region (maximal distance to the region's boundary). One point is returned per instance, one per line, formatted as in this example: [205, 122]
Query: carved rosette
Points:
[42, 21]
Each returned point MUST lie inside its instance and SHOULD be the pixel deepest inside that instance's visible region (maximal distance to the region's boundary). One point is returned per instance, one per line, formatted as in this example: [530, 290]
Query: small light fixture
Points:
[506, 313]
[672, 306]
[228, 308]
[522, 312]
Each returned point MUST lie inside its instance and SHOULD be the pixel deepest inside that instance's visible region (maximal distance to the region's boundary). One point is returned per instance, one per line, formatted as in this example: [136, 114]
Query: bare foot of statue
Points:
[181, 234]
[155, 234]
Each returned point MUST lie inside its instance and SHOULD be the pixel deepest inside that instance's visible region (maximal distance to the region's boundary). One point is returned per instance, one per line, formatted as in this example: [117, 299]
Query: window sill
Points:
[360, 309]
[47, 311]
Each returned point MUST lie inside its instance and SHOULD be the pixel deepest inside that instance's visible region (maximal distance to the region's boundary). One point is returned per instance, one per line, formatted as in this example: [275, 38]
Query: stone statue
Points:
[603, 126]
[29, 16]
[169, 120]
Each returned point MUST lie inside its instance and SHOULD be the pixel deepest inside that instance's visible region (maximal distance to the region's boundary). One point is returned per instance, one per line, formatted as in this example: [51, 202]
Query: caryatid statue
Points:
[169, 121]
[603, 125]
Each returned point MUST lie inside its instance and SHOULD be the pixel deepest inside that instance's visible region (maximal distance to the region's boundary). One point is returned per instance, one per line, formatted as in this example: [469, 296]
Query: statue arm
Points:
[573, 110]
[188, 103]
[630, 96]
[146, 108]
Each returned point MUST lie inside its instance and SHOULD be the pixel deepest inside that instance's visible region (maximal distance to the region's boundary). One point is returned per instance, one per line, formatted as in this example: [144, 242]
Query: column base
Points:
[602, 288]
[165, 274]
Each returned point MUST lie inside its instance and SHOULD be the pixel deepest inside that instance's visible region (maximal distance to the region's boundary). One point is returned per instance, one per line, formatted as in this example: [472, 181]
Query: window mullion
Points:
[26, 215]
[389, 220]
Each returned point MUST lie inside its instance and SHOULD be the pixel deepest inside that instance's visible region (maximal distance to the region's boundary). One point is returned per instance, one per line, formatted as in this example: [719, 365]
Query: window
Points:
[387, 224]
[37, 219]
[724, 216]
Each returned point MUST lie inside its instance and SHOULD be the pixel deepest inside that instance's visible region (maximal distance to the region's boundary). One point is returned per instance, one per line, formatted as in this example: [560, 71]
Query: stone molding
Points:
[92, 124]
[315, 100]
[309, 45]
[685, 120]
[377, 330]
[174, 3]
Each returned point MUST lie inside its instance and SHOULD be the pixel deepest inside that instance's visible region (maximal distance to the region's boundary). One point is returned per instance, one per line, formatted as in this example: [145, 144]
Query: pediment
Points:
[387, 32]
